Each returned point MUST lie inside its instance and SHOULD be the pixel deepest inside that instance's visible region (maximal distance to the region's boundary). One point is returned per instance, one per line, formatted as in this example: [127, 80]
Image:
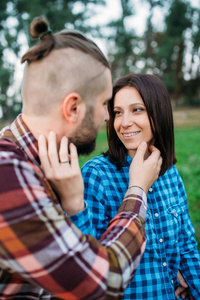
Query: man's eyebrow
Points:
[107, 100]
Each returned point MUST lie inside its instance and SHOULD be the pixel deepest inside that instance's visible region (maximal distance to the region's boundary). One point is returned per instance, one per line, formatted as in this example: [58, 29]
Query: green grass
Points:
[101, 146]
[187, 142]
[188, 156]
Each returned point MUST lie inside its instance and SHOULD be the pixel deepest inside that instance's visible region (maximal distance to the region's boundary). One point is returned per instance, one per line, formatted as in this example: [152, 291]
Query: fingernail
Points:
[40, 137]
[184, 284]
[52, 133]
[143, 144]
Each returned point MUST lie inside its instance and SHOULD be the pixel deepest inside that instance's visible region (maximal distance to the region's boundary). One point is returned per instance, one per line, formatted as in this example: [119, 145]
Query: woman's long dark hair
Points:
[158, 105]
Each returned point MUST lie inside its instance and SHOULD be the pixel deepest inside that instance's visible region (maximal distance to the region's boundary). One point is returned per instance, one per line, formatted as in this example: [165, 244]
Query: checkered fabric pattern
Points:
[43, 255]
[170, 234]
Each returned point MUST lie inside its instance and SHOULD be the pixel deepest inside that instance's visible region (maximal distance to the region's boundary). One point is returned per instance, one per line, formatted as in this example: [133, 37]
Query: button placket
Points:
[156, 215]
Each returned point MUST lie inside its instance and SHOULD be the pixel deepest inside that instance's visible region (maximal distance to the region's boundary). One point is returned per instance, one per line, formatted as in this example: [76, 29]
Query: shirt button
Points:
[150, 190]
[160, 240]
[156, 215]
[164, 264]
[172, 281]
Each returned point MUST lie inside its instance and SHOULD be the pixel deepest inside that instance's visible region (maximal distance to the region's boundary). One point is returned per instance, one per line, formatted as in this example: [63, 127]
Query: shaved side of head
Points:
[46, 82]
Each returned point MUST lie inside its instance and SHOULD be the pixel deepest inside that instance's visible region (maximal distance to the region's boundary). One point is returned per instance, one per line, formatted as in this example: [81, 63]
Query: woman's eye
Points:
[138, 109]
[117, 112]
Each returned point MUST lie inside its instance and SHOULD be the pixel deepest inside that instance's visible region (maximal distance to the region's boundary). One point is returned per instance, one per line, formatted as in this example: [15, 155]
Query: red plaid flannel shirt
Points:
[43, 255]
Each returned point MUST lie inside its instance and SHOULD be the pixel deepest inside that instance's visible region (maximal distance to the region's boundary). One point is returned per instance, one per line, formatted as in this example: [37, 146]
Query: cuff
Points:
[82, 220]
[135, 200]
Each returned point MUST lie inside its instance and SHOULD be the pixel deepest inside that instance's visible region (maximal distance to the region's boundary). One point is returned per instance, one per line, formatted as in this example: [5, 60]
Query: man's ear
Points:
[71, 107]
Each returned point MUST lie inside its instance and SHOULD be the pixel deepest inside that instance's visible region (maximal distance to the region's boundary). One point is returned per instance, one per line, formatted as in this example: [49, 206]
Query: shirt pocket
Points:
[163, 229]
[173, 224]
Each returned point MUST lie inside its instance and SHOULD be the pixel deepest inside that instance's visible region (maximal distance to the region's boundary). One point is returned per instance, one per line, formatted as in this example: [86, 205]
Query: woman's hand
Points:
[182, 290]
[144, 172]
[62, 171]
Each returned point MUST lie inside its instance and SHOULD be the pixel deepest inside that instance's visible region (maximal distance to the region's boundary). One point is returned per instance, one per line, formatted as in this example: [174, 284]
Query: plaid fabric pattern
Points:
[170, 234]
[43, 255]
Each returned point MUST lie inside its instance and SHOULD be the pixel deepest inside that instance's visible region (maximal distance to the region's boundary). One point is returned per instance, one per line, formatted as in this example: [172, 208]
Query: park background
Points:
[150, 36]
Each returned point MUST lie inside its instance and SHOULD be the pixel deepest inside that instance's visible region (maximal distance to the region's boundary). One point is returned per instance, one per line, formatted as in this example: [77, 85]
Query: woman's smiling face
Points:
[131, 121]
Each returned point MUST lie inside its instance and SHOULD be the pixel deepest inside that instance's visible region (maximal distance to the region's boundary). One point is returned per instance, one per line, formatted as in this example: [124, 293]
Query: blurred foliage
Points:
[172, 47]
[171, 51]
[15, 18]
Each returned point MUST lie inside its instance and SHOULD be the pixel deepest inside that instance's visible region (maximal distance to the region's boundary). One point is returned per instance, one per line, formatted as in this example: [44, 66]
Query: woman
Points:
[140, 109]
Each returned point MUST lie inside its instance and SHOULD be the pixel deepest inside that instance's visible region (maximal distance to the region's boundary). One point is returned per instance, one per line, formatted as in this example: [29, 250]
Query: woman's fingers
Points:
[157, 154]
[49, 157]
[43, 153]
[63, 152]
[65, 176]
[55, 161]
[74, 157]
[52, 150]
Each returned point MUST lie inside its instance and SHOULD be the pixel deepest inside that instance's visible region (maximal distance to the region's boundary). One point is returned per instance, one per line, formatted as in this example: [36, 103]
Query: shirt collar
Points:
[25, 139]
[127, 161]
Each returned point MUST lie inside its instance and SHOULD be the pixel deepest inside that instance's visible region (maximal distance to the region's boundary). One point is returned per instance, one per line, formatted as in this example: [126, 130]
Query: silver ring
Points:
[64, 161]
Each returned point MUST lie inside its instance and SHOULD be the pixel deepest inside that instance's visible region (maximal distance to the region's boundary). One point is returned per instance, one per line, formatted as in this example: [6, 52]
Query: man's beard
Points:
[85, 135]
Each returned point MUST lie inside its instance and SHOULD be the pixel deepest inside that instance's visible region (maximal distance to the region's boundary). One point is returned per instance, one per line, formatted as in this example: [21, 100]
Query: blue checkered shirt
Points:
[170, 234]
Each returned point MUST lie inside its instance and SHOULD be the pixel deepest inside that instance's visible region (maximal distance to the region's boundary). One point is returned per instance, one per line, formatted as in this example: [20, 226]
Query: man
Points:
[43, 255]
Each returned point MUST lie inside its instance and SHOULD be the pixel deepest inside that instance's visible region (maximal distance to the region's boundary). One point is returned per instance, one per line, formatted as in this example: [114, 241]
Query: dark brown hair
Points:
[63, 39]
[158, 105]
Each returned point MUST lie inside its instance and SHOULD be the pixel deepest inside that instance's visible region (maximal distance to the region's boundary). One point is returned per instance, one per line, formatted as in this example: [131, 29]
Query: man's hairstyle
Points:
[58, 64]
[63, 39]
[157, 102]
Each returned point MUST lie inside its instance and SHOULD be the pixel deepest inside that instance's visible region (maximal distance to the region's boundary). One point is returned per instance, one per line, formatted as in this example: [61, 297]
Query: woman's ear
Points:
[71, 107]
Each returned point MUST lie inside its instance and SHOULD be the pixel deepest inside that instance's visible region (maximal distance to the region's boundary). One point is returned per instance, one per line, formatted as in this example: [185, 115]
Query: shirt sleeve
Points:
[190, 258]
[83, 221]
[42, 246]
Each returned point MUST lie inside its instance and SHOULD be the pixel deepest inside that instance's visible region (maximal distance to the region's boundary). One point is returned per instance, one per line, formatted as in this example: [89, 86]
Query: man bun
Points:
[64, 39]
[38, 26]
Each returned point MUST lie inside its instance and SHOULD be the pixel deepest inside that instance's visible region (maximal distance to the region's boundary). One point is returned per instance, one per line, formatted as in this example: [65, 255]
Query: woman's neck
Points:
[132, 153]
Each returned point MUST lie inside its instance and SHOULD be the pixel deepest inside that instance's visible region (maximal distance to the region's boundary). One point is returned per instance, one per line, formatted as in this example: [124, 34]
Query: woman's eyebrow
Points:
[132, 104]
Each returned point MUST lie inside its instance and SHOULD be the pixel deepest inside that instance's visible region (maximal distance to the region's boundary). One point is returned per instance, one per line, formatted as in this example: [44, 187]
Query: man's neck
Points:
[39, 124]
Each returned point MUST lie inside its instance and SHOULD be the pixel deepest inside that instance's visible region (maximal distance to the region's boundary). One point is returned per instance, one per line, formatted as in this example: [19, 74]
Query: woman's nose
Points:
[126, 121]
